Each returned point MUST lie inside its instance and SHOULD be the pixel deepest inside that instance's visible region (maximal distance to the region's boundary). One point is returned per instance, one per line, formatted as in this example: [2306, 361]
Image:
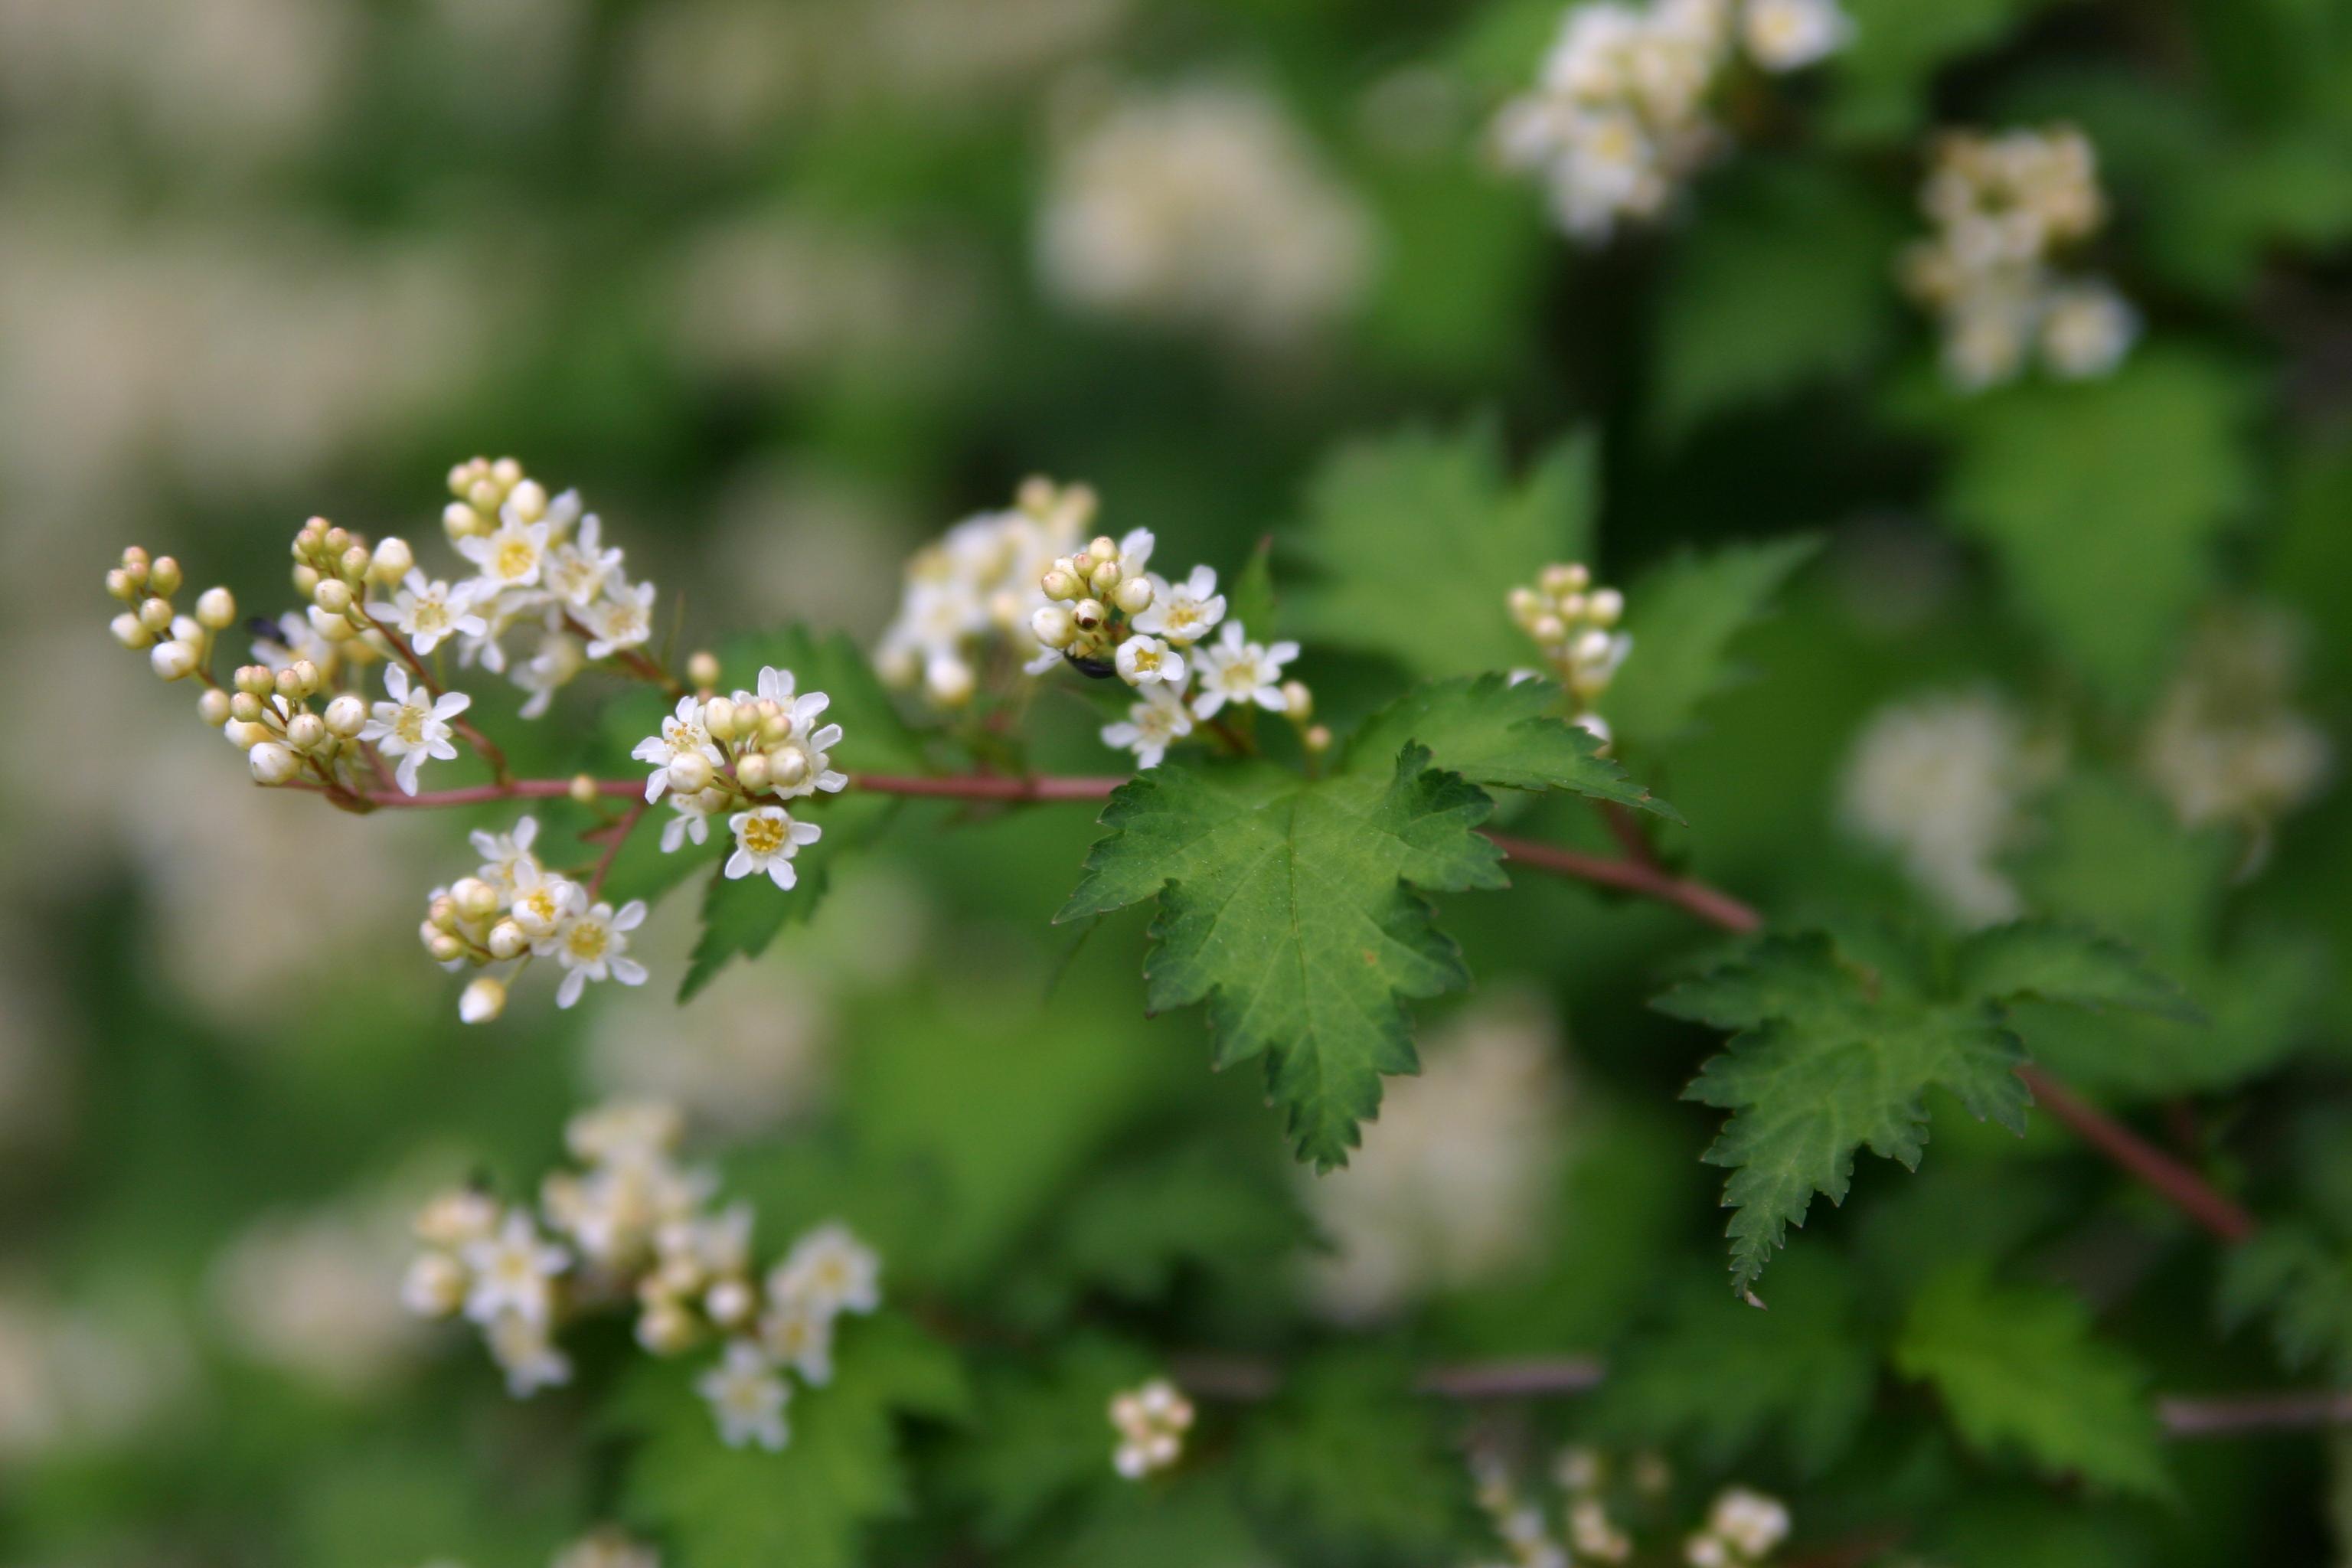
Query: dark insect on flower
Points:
[1092, 668]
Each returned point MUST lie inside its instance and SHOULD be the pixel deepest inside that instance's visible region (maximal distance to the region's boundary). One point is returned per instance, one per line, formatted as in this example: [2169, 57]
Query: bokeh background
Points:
[785, 286]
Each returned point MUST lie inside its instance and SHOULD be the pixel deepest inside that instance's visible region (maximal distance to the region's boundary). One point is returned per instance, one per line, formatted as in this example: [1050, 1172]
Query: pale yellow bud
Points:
[392, 561]
[664, 1327]
[354, 564]
[244, 707]
[212, 707]
[1297, 703]
[445, 948]
[751, 772]
[1549, 630]
[460, 521]
[775, 722]
[1089, 615]
[1104, 579]
[1134, 595]
[273, 762]
[336, 542]
[164, 577]
[949, 682]
[584, 789]
[155, 615]
[1053, 627]
[474, 898]
[788, 767]
[1103, 547]
[215, 609]
[1606, 607]
[702, 668]
[1317, 738]
[254, 679]
[719, 718]
[244, 734]
[134, 562]
[131, 631]
[507, 941]
[730, 1302]
[689, 773]
[306, 732]
[1526, 604]
[331, 628]
[333, 594]
[347, 715]
[306, 580]
[172, 660]
[1059, 585]
[507, 471]
[529, 498]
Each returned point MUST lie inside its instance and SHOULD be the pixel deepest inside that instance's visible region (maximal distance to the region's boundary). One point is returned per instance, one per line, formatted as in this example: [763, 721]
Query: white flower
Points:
[542, 901]
[521, 1347]
[511, 1270]
[413, 726]
[625, 1133]
[622, 618]
[606, 1548]
[1145, 661]
[693, 819]
[593, 945]
[557, 660]
[766, 839]
[831, 1269]
[1788, 35]
[426, 612]
[747, 1396]
[435, 1285]
[505, 854]
[681, 733]
[1151, 726]
[1751, 1523]
[1151, 1422]
[509, 556]
[2087, 329]
[1234, 670]
[1184, 613]
[800, 764]
[576, 570]
[798, 1332]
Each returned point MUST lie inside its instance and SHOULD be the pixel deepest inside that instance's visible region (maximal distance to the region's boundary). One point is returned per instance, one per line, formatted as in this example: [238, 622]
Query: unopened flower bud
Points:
[273, 762]
[119, 586]
[473, 899]
[702, 668]
[333, 594]
[1565, 578]
[664, 1327]
[290, 685]
[354, 564]
[172, 660]
[215, 609]
[1059, 585]
[244, 734]
[164, 577]
[1297, 703]
[392, 562]
[584, 789]
[729, 1302]
[689, 773]
[788, 767]
[244, 707]
[751, 772]
[212, 707]
[306, 580]
[155, 615]
[1089, 615]
[460, 521]
[435, 1285]
[1317, 738]
[131, 631]
[1592, 648]
[1053, 625]
[529, 498]
[444, 947]
[948, 682]
[1103, 547]
[1549, 630]
[329, 628]
[1104, 579]
[254, 680]
[775, 722]
[306, 732]
[1605, 606]
[719, 718]
[347, 715]
[507, 471]
[485, 495]
[1134, 595]
[507, 941]
[1526, 604]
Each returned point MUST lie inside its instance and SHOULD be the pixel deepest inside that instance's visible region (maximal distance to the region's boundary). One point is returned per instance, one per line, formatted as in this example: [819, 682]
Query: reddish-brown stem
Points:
[615, 835]
[986, 786]
[2176, 1183]
[1717, 909]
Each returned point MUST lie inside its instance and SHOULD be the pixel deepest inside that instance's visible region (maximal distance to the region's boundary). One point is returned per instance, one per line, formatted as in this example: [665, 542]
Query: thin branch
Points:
[1718, 909]
[616, 835]
[2178, 1184]
[2235, 1416]
[986, 786]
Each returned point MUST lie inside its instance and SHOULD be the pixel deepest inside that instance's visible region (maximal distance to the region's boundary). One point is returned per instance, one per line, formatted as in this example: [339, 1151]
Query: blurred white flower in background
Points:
[2226, 742]
[1454, 1180]
[84, 1375]
[316, 1293]
[1201, 206]
[1941, 782]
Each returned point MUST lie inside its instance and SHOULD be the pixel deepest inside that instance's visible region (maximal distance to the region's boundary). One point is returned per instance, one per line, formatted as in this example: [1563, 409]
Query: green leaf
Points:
[2104, 500]
[1782, 283]
[1041, 1435]
[1500, 733]
[2066, 964]
[1129, 1232]
[1684, 616]
[809, 1505]
[741, 918]
[1879, 87]
[1349, 1459]
[1417, 537]
[1832, 1058]
[2019, 1370]
[1718, 1378]
[2290, 1275]
[1291, 909]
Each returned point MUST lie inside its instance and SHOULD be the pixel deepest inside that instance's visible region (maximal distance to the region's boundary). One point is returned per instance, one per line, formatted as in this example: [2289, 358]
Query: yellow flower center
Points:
[516, 557]
[587, 940]
[764, 834]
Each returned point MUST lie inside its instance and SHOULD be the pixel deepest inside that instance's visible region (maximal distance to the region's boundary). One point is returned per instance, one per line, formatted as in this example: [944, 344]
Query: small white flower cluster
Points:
[973, 588]
[1202, 207]
[2004, 206]
[514, 910]
[1108, 613]
[752, 751]
[1742, 1529]
[1942, 782]
[608, 1546]
[539, 561]
[1150, 1422]
[1583, 1477]
[633, 1224]
[2226, 743]
[1575, 624]
[1619, 117]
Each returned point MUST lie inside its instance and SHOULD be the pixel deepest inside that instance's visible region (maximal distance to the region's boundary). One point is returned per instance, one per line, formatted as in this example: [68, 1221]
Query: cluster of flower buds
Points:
[1589, 1484]
[1576, 625]
[1620, 116]
[514, 910]
[744, 754]
[1150, 1422]
[633, 1224]
[2004, 208]
[1742, 1529]
[971, 592]
[178, 646]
